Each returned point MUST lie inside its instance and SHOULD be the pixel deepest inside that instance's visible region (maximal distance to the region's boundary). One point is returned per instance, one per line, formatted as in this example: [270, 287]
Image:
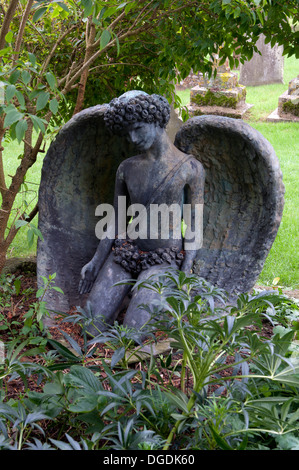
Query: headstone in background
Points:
[265, 68]
[222, 95]
[288, 104]
[174, 124]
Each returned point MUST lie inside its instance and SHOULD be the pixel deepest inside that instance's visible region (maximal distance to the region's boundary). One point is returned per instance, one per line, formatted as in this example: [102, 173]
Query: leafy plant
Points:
[242, 391]
[21, 421]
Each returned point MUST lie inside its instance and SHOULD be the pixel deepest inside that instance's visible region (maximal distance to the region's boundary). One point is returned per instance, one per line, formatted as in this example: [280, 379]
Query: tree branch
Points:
[59, 40]
[121, 63]
[7, 20]
[21, 30]
[89, 38]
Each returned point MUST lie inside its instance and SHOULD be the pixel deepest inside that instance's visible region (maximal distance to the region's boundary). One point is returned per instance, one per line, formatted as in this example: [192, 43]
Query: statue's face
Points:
[142, 134]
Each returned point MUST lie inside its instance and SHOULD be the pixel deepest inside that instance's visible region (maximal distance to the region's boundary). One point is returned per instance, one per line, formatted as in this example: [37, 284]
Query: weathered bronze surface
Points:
[243, 203]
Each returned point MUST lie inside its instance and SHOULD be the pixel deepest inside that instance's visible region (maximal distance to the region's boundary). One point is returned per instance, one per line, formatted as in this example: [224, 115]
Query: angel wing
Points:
[77, 175]
[244, 199]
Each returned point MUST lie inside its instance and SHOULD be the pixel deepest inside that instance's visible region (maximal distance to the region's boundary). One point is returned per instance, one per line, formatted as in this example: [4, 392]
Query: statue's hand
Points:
[88, 276]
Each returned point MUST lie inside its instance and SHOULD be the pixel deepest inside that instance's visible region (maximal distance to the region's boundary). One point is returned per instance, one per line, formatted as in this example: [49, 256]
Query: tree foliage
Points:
[60, 56]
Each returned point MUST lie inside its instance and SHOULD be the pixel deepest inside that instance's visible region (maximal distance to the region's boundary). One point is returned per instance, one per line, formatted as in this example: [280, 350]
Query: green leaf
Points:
[9, 36]
[179, 399]
[12, 116]
[51, 80]
[37, 123]
[109, 12]
[39, 13]
[21, 99]
[10, 92]
[20, 223]
[17, 284]
[117, 46]
[37, 232]
[53, 105]
[21, 128]
[14, 76]
[32, 58]
[117, 356]
[183, 228]
[105, 38]
[39, 292]
[237, 12]
[30, 237]
[42, 100]
[6, 50]
[219, 439]
[85, 378]
[88, 7]
[84, 404]
[26, 77]
[63, 351]
[129, 7]
[63, 6]
[58, 289]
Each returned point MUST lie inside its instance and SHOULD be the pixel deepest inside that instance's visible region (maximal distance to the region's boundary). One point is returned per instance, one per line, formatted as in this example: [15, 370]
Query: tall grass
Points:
[283, 259]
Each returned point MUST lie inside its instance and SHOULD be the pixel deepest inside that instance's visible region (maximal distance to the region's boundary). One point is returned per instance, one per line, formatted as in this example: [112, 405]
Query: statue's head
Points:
[136, 107]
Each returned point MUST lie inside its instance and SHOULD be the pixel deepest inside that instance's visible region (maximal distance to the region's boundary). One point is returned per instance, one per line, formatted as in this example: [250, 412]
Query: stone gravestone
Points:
[242, 207]
[265, 68]
[221, 95]
[288, 104]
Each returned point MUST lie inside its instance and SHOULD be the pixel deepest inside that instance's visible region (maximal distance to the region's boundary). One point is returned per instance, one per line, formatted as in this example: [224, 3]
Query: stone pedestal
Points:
[264, 68]
[221, 95]
[288, 104]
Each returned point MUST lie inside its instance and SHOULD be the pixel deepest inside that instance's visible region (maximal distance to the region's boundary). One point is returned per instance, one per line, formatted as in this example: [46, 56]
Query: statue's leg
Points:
[105, 299]
[136, 316]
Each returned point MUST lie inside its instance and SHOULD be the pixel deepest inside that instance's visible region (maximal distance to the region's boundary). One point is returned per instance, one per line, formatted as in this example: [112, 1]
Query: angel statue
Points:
[118, 160]
[160, 174]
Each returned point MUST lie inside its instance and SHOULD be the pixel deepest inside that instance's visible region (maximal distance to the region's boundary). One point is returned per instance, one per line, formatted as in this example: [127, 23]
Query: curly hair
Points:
[139, 107]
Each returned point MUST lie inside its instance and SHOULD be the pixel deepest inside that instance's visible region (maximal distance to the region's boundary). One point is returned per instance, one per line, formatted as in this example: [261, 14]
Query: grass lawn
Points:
[12, 150]
[283, 259]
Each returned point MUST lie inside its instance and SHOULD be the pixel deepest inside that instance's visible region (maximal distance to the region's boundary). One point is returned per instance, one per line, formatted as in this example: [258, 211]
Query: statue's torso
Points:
[146, 185]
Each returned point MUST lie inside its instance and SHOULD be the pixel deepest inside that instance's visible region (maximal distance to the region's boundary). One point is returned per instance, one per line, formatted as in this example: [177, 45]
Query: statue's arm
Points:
[195, 198]
[90, 271]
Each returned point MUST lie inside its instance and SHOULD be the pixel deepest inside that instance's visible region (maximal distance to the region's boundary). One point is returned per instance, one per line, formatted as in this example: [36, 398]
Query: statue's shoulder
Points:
[126, 164]
[193, 166]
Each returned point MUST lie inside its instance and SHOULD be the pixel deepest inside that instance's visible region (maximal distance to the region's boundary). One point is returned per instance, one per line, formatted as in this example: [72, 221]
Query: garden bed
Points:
[21, 303]
[97, 398]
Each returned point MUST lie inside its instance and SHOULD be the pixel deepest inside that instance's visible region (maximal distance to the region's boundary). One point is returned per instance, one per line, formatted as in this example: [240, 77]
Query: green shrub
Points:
[221, 386]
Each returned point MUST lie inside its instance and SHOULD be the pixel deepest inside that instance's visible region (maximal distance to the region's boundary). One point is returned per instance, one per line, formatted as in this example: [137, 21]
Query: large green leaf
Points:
[21, 128]
[63, 351]
[10, 91]
[85, 378]
[12, 116]
[105, 38]
[42, 100]
[39, 13]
